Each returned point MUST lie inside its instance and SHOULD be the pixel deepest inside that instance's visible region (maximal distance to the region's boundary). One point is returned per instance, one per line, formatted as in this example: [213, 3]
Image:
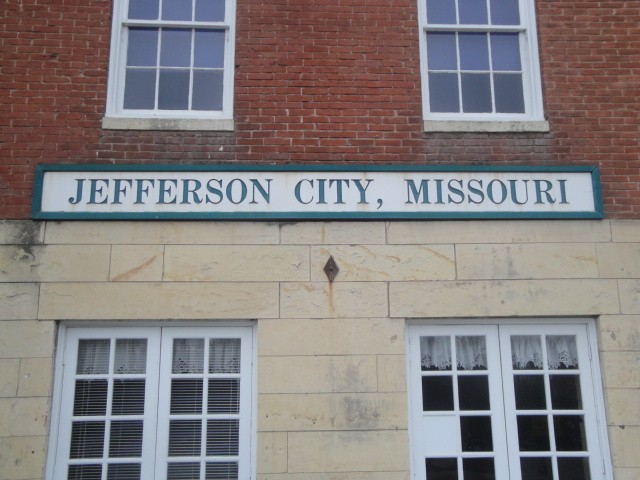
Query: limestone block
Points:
[338, 476]
[336, 300]
[352, 411]
[231, 263]
[623, 406]
[621, 369]
[272, 452]
[318, 374]
[189, 233]
[619, 260]
[124, 300]
[54, 263]
[21, 417]
[26, 339]
[19, 301]
[136, 263]
[522, 261]
[9, 377]
[624, 473]
[333, 233]
[348, 451]
[36, 376]
[392, 373]
[499, 231]
[374, 263]
[624, 446]
[625, 230]
[21, 232]
[22, 457]
[503, 298]
[629, 296]
[330, 336]
[620, 332]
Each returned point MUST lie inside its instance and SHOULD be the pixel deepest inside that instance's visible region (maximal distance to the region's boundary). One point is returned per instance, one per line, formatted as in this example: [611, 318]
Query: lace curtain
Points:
[93, 357]
[526, 352]
[188, 355]
[471, 353]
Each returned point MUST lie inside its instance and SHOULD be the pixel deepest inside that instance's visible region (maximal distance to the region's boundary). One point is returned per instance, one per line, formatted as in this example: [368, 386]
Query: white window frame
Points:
[591, 388]
[118, 118]
[156, 411]
[533, 118]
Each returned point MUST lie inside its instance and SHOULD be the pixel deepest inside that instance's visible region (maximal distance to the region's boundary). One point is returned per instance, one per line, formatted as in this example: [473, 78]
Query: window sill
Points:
[488, 126]
[175, 124]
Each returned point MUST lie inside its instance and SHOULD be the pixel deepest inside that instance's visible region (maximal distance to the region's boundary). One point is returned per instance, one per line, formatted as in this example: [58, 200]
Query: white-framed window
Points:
[172, 59]
[506, 402]
[479, 60]
[153, 402]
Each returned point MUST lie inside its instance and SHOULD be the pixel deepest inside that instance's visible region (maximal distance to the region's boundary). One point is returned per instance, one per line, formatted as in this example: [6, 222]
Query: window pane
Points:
[474, 51]
[93, 357]
[224, 355]
[123, 471]
[90, 397]
[87, 440]
[471, 353]
[224, 395]
[441, 11]
[569, 433]
[526, 352]
[476, 93]
[131, 356]
[222, 471]
[125, 439]
[140, 89]
[186, 396]
[142, 49]
[565, 392]
[143, 9]
[473, 12]
[573, 468]
[85, 472]
[183, 471]
[473, 392]
[562, 352]
[223, 437]
[529, 392]
[209, 49]
[476, 434]
[509, 94]
[505, 12]
[188, 355]
[437, 393]
[207, 90]
[505, 51]
[435, 352]
[185, 437]
[209, 10]
[443, 92]
[128, 397]
[442, 468]
[441, 51]
[176, 47]
[533, 433]
[478, 469]
[176, 9]
[536, 468]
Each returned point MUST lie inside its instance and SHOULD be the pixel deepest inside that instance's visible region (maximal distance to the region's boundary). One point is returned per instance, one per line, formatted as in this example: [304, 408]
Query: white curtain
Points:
[131, 356]
[562, 352]
[93, 357]
[471, 353]
[526, 352]
[188, 355]
[435, 353]
[224, 355]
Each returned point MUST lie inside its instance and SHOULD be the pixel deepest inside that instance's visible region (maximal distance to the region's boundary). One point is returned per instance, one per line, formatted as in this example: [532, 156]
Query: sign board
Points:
[314, 192]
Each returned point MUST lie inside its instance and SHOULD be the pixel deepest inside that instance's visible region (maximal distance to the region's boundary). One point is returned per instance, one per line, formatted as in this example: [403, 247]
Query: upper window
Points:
[479, 60]
[172, 59]
[505, 402]
[161, 403]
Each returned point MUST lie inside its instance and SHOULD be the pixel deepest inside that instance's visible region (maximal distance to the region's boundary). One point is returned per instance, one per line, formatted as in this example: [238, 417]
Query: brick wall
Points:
[322, 81]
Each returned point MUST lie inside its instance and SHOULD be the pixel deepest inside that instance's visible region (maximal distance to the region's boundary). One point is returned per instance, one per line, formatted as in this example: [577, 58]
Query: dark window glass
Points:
[442, 468]
[441, 11]
[533, 433]
[128, 397]
[437, 393]
[176, 10]
[186, 395]
[478, 469]
[569, 433]
[207, 90]
[87, 440]
[175, 48]
[473, 392]
[565, 392]
[84, 472]
[441, 51]
[90, 398]
[183, 471]
[143, 9]
[224, 395]
[443, 92]
[538, 468]
[472, 12]
[140, 88]
[476, 93]
[125, 439]
[573, 468]
[509, 93]
[222, 471]
[505, 12]
[173, 90]
[474, 51]
[223, 437]
[123, 471]
[209, 49]
[184, 437]
[475, 433]
[505, 52]
[209, 10]
[142, 49]
[529, 392]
